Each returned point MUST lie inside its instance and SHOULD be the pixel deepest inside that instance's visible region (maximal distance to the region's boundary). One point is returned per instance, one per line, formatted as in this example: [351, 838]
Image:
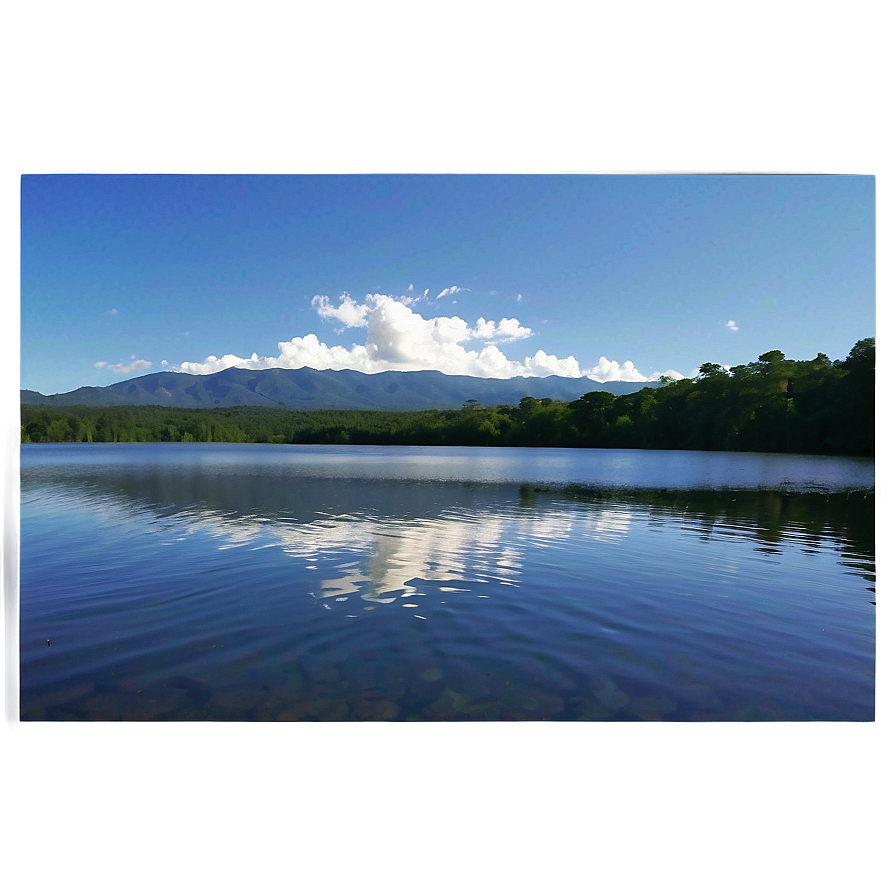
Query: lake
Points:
[306, 583]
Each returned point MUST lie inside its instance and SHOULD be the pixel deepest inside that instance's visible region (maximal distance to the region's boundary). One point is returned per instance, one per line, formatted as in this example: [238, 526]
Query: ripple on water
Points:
[178, 596]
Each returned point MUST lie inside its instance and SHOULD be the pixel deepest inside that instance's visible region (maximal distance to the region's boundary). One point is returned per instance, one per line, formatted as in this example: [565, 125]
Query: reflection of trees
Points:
[380, 536]
[765, 516]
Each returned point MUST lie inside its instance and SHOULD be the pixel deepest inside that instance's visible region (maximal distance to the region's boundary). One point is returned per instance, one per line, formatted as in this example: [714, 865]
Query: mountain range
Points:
[309, 389]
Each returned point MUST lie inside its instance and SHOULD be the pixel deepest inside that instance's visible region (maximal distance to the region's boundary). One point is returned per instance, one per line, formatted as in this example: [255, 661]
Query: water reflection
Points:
[252, 592]
[383, 536]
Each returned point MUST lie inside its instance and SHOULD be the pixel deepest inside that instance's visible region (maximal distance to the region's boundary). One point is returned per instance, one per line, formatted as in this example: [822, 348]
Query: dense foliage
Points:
[772, 404]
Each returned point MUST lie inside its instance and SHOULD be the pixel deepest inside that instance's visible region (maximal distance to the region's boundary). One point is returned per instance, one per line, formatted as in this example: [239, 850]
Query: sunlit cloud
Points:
[671, 374]
[732, 326]
[508, 330]
[399, 338]
[612, 371]
[349, 313]
[134, 365]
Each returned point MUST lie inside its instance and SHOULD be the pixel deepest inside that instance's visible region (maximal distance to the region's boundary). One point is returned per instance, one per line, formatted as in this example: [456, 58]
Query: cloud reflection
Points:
[390, 542]
[403, 540]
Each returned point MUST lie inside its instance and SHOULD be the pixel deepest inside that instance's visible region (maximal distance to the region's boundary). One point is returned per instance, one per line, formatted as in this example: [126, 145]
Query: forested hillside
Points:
[772, 404]
[306, 389]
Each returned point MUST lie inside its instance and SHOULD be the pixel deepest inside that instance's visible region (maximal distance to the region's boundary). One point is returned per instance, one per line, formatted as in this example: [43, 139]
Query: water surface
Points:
[229, 582]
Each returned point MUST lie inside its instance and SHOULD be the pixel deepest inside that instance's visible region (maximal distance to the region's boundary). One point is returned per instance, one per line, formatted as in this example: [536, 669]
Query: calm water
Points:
[225, 582]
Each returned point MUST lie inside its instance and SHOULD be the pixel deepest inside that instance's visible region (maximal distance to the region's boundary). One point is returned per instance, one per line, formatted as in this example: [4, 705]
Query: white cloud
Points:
[508, 330]
[519, 297]
[349, 313]
[672, 374]
[543, 364]
[606, 371]
[134, 365]
[612, 371]
[399, 338]
[451, 290]
[731, 325]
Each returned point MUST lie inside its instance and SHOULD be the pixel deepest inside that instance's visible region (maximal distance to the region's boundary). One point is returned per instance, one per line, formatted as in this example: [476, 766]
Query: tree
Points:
[590, 416]
[708, 370]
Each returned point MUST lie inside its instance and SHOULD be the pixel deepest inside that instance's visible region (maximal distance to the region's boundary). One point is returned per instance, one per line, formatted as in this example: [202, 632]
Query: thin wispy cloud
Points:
[451, 290]
[732, 326]
[132, 366]
[399, 338]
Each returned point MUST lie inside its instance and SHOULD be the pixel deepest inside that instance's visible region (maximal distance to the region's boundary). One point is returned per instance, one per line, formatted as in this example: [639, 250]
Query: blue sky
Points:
[608, 276]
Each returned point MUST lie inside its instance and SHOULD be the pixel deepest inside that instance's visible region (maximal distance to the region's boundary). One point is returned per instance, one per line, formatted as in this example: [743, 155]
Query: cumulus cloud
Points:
[349, 313]
[732, 326]
[612, 371]
[131, 367]
[451, 290]
[508, 330]
[606, 371]
[543, 364]
[399, 338]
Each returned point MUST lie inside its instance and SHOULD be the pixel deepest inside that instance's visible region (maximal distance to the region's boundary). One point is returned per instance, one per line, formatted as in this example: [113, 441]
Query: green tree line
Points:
[772, 404]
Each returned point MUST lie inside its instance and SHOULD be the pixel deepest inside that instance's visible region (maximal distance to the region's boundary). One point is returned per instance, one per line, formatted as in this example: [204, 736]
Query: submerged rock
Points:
[268, 709]
[605, 691]
[196, 690]
[653, 708]
[452, 705]
[376, 710]
[319, 709]
[540, 704]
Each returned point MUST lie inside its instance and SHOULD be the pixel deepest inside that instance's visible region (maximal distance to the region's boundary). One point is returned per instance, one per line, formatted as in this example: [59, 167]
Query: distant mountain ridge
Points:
[310, 389]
